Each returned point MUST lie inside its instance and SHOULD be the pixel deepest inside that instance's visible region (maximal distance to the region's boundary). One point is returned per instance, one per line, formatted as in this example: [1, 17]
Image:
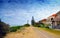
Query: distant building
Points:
[43, 21]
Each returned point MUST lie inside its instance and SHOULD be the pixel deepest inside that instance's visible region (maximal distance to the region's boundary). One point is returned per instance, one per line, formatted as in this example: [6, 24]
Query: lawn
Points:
[57, 32]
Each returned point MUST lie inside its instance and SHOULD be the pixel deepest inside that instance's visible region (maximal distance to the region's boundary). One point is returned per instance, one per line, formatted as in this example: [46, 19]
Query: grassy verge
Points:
[51, 30]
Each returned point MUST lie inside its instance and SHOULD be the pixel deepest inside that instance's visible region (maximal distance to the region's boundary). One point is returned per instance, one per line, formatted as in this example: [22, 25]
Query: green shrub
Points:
[15, 28]
[26, 25]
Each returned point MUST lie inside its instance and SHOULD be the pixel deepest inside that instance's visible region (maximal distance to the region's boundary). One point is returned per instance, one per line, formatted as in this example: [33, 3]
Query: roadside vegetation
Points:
[46, 28]
[57, 32]
[15, 28]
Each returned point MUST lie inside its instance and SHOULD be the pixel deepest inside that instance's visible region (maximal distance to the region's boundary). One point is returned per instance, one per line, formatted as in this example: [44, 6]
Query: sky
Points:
[17, 12]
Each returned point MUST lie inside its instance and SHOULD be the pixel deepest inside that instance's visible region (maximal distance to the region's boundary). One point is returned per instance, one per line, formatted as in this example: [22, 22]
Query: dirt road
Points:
[31, 32]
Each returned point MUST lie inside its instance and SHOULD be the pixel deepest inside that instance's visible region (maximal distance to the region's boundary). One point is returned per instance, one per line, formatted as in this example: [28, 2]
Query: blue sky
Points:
[17, 12]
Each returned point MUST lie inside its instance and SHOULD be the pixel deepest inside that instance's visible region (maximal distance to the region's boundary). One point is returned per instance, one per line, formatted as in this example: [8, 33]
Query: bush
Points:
[26, 25]
[15, 28]
[4, 29]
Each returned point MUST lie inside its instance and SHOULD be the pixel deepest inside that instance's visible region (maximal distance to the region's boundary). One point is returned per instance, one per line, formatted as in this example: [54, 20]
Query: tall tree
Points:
[32, 21]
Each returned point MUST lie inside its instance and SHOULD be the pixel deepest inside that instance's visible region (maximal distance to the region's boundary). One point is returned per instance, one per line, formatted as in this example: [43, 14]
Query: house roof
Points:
[43, 19]
[54, 15]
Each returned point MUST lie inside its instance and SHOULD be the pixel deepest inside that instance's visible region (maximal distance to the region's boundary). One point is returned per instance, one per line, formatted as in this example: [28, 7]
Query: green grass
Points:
[57, 32]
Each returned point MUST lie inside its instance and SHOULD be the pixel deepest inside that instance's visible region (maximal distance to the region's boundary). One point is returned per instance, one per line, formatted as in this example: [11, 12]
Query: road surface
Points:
[31, 32]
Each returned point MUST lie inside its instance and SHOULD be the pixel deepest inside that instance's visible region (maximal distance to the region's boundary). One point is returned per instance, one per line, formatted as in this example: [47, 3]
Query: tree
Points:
[4, 28]
[32, 21]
